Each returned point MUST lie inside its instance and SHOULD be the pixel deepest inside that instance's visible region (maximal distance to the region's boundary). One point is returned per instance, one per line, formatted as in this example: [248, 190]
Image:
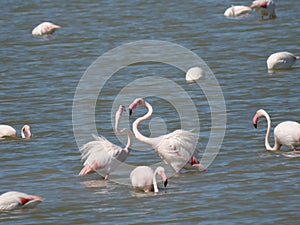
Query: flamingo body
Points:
[176, 149]
[8, 131]
[16, 200]
[237, 10]
[264, 8]
[194, 73]
[143, 178]
[281, 60]
[44, 28]
[286, 133]
[102, 155]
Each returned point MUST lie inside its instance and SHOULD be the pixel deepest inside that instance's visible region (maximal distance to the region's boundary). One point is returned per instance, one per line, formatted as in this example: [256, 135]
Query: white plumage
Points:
[103, 156]
[144, 179]
[281, 60]
[15, 200]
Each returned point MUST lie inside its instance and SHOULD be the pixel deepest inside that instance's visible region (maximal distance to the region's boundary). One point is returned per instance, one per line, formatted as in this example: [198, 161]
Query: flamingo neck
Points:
[154, 182]
[122, 132]
[135, 124]
[267, 138]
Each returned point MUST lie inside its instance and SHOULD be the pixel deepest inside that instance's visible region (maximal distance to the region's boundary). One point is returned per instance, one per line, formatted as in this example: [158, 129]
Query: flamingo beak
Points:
[255, 119]
[130, 112]
[166, 182]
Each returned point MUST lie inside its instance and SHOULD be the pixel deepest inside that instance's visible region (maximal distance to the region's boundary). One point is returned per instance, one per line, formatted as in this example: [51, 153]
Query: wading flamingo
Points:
[176, 149]
[16, 200]
[286, 133]
[264, 8]
[281, 60]
[8, 131]
[44, 28]
[103, 155]
[144, 179]
[237, 10]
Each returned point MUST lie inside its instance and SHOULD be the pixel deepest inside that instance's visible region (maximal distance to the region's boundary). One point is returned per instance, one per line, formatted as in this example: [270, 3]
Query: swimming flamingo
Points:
[237, 10]
[281, 60]
[194, 73]
[8, 131]
[286, 133]
[264, 8]
[45, 28]
[16, 200]
[103, 155]
[176, 149]
[143, 178]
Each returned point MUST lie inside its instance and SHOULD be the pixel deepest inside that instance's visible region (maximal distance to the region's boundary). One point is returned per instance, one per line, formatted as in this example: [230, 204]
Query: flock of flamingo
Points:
[177, 149]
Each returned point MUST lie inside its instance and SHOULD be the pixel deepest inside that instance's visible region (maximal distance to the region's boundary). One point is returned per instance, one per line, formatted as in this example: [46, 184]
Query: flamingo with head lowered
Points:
[103, 155]
[264, 8]
[286, 133]
[176, 149]
[143, 178]
[8, 131]
[45, 28]
[17, 200]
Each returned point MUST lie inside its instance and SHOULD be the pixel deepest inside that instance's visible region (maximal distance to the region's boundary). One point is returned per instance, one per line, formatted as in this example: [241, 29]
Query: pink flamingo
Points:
[16, 200]
[45, 28]
[281, 60]
[176, 149]
[286, 133]
[143, 178]
[103, 155]
[264, 8]
[8, 131]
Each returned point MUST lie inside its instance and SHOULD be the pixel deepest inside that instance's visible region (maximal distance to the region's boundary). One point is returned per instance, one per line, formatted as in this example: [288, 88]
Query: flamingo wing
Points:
[100, 154]
[177, 148]
[15, 200]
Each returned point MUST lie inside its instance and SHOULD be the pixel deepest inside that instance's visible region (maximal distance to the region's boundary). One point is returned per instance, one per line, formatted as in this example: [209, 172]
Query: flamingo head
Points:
[120, 111]
[259, 4]
[25, 132]
[162, 173]
[257, 115]
[136, 103]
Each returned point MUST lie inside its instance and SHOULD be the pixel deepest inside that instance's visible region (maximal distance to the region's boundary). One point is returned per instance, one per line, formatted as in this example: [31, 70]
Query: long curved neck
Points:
[135, 124]
[154, 181]
[122, 132]
[267, 138]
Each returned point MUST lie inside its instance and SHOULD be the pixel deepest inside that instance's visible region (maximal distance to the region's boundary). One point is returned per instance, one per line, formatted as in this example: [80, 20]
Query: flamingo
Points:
[16, 200]
[143, 178]
[103, 155]
[176, 148]
[8, 131]
[264, 8]
[237, 10]
[286, 133]
[45, 28]
[194, 73]
[281, 60]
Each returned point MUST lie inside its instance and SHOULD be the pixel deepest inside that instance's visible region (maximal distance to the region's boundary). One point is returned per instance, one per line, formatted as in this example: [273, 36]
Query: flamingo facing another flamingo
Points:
[176, 149]
[281, 60]
[8, 131]
[45, 28]
[143, 178]
[264, 8]
[286, 133]
[103, 155]
[16, 200]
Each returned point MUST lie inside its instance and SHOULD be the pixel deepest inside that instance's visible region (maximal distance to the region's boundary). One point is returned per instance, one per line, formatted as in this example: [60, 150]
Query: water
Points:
[39, 76]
